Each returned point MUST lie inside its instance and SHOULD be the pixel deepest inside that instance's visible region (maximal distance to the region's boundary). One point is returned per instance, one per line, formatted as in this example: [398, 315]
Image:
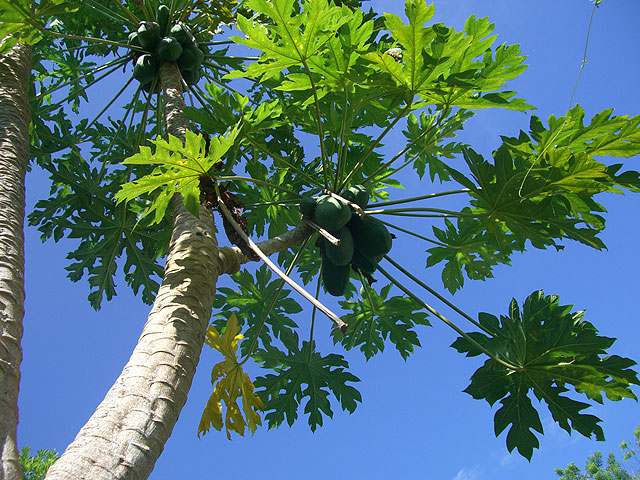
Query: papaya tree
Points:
[146, 187]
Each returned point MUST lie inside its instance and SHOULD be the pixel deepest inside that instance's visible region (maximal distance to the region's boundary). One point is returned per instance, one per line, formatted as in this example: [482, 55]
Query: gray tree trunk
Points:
[15, 67]
[126, 434]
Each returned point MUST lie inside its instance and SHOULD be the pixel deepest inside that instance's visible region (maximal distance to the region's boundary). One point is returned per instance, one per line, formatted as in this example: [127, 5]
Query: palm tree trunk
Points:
[15, 67]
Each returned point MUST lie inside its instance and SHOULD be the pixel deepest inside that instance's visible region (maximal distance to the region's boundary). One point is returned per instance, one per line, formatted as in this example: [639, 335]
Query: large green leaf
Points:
[253, 304]
[375, 319]
[539, 188]
[444, 67]
[303, 375]
[179, 169]
[543, 350]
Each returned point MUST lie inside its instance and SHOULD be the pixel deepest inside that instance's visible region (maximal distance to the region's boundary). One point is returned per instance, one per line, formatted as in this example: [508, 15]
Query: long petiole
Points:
[399, 211]
[409, 232]
[313, 317]
[116, 62]
[436, 294]
[117, 17]
[281, 159]
[342, 142]
[374, 145]
[110, 103]
[448, 322]
[127, 12]
[260, 182]
[103, 168]
[421, 197]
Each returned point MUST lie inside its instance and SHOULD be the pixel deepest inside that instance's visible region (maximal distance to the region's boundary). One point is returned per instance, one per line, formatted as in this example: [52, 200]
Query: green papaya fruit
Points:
[133, 39]
[204, 49]
[146, 68]
[149, 35]
[331, 213]
[191, 77]
[169, 49]
[370, 235]
[357, 194]
[162, 17]
[308, 206]
[191, 58]
[182, 33]
[335, 278]
[364, 263]
[340, 254]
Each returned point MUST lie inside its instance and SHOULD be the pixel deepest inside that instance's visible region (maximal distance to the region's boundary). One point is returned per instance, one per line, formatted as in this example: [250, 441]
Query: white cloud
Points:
[473, 473]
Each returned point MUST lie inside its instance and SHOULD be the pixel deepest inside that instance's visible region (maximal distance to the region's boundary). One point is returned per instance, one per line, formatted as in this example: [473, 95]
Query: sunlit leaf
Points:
[543, 350]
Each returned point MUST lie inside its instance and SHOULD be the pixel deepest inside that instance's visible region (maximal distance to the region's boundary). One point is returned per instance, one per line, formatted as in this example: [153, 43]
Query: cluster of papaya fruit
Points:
[165, 41]
[363, 240]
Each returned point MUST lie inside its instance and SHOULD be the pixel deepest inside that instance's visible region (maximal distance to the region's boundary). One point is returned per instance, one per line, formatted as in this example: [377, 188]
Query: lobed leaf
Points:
[542, 350]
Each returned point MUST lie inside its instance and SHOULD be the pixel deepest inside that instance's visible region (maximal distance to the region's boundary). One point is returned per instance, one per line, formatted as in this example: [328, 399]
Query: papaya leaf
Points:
[543, 350]
[429, 150]
[375, 318]
[250, 302]
[539, 188]
[179, 171]
[82, 208]
[302, 373]
[295, 38]
[231, 384]
[445, 67]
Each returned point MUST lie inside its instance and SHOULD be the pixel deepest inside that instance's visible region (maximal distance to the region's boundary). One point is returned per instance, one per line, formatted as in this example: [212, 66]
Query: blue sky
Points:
[414, 421]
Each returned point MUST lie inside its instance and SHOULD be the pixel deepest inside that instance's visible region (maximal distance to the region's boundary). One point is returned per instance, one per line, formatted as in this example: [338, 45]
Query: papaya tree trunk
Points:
[126, 434]
[14, 156]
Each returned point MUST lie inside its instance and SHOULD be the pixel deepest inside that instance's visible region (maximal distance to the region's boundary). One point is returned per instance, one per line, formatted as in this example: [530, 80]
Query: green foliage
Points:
[35, 467]
[179, 170]
[543, 350]
[303, 376]
[444, 67]
[253, 303]
[539, 189]
[349, 79]
[20, 17]
[375, 319]
[597, 470]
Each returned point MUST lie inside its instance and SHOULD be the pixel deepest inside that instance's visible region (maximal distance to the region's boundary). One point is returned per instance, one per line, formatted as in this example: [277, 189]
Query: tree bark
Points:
[126, 434]
[15, 67]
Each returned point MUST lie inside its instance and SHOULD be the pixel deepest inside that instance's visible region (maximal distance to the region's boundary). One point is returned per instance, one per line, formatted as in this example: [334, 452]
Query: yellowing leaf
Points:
[230, 384]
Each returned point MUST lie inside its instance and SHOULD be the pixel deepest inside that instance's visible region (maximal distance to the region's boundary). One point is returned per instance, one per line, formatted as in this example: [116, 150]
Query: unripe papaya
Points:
[146, 68]
[133, 40]
[169, 49]
[331, 213]
[357, 194]
[308, 206]
[148, 35]
[182, 33]
[162, 17]
[335, 278]
[365, 263]
[340, 254]
[370, 235]
[191, 58]
[191, 77]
